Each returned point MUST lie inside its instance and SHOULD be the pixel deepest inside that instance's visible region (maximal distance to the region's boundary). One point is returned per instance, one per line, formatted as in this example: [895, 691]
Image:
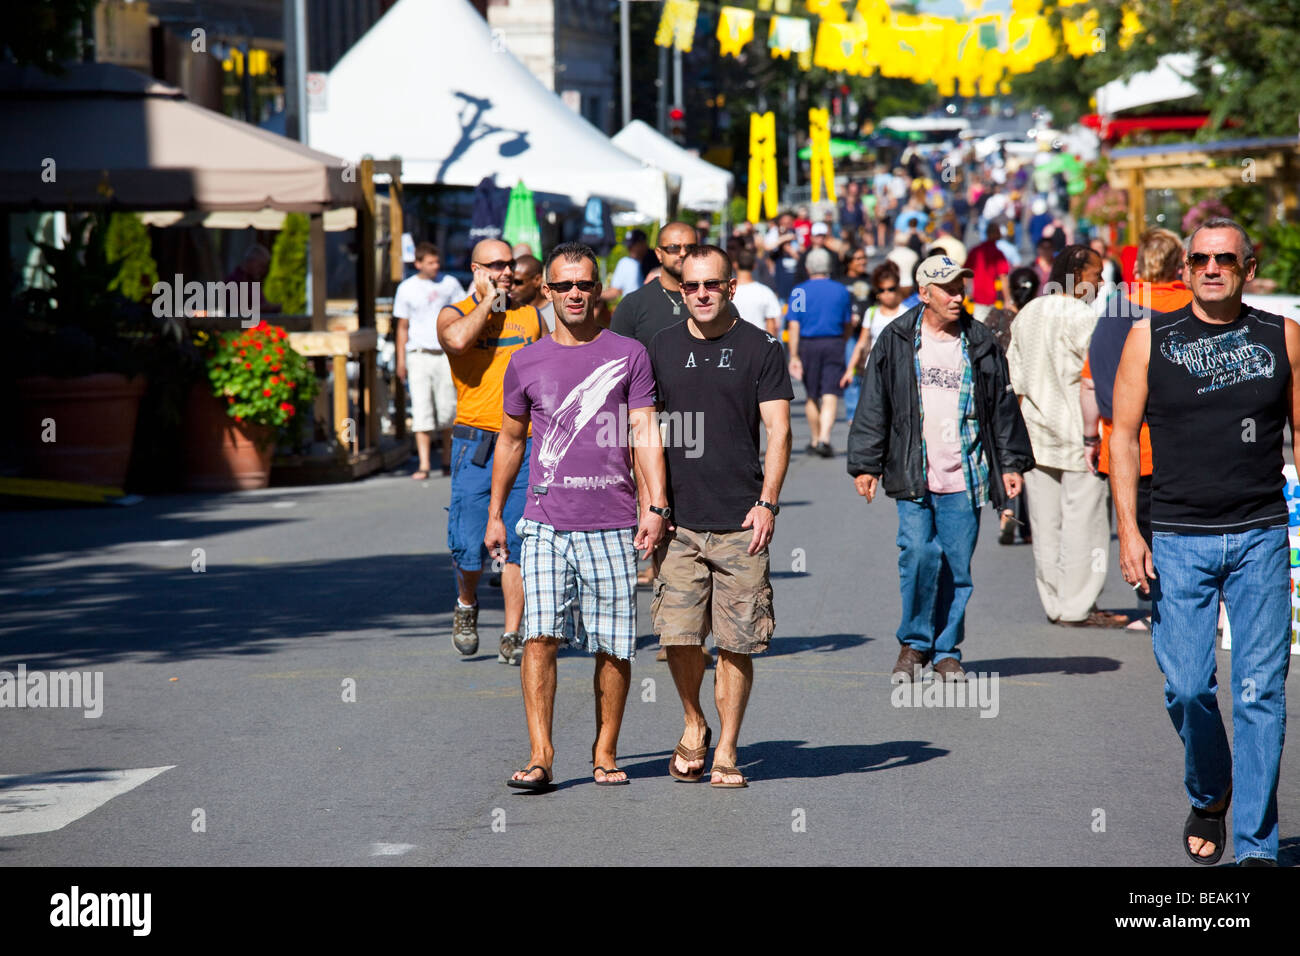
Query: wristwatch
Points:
[775, 509]
[665, 513]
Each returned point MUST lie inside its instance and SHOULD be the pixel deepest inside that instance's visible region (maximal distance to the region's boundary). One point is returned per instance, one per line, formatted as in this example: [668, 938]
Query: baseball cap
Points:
[820, 229]
[818, 262]
[939, 270]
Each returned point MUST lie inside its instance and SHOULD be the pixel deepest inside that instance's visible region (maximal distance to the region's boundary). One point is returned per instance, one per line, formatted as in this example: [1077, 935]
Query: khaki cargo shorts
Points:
[707, 582]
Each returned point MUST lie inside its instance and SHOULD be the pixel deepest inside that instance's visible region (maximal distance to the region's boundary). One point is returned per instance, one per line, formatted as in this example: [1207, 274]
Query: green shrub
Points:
[127, 245]
[286, 282]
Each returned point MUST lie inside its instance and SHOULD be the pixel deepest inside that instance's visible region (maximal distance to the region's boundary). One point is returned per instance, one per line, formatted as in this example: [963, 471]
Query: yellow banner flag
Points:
[830, 11]
[735, 29]
[822, 167]
[677, 24]
[762, 166]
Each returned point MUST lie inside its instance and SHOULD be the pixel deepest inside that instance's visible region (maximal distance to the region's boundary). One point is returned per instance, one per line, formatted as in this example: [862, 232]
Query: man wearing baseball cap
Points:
[939, 426]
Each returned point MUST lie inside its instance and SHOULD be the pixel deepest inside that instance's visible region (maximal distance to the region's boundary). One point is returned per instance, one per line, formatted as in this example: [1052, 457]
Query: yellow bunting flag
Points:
[822, 167]
[830, 11]
[762, 166]
[788, 35]
[677, 24]
[735, 29]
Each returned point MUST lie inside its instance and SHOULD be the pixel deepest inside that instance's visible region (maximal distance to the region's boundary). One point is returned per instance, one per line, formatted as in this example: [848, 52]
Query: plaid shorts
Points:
[580, 586]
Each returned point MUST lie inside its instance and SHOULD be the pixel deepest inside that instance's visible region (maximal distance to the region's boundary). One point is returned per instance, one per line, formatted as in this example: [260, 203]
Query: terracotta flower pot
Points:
[79, 429]
[222, 454]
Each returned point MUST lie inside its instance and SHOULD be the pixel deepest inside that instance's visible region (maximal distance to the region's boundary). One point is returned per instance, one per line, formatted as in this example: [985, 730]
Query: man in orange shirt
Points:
[1158, 290]
[479, 335]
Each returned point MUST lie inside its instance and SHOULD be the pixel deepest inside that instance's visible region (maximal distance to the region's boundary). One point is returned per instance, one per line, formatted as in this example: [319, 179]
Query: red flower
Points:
[243, 352]
[290, 383]
[279, 350]
[291, 410]
[275, 380]
[239, 418]
[248, 365]
[276, 367]
[266, 392]
[266, 358]
[286, 407]
[230, 399]
[257, 345]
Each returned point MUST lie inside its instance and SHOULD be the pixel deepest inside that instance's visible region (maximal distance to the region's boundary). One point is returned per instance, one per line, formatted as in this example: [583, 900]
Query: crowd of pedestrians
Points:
[1041, 389]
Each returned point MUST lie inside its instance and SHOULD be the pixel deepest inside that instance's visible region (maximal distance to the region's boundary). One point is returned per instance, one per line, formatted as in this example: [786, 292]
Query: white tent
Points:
[431, 84]
[1166, 83]
[704, 186]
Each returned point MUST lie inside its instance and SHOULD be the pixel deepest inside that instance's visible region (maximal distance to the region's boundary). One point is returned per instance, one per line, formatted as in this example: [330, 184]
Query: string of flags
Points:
[970, 56]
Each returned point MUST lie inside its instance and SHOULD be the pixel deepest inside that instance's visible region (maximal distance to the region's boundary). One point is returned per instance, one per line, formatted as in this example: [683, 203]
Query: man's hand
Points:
[401, 368]
[495, 540]
[1092, 455]
[866, 486]
[847, 378]
[796, 368]
[649, 533]
[1135, 561]
[1013, 483]
[764, 524]
[483, 284]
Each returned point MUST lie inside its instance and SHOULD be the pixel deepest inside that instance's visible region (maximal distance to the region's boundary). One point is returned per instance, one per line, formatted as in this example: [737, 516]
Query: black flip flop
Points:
[1206, 826]
[610, 783]
[533, 786]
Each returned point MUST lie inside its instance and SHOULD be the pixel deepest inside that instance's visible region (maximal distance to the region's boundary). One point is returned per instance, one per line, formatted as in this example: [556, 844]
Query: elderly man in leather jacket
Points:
[938, 424]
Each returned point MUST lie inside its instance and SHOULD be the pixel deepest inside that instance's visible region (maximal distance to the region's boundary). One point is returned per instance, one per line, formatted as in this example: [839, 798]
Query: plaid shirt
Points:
[973, 466]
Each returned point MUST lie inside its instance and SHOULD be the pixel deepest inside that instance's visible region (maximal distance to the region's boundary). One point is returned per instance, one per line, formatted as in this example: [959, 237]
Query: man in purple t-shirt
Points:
[582, 388]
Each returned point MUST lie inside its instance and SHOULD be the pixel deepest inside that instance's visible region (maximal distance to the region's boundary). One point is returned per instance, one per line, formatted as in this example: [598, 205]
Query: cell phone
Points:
[1012, 518]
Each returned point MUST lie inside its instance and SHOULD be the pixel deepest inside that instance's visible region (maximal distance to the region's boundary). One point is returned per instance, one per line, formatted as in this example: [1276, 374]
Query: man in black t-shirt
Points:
[717, 374]
[1217, 381]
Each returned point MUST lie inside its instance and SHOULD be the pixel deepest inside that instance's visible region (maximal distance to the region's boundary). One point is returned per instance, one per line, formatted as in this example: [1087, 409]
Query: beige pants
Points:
[1068, 514]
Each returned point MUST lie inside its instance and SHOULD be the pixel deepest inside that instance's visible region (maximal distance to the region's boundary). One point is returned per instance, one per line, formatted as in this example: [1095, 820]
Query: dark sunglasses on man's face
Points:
[713, 285]
[498, 266]
[1226, 260]
[676, 249]
[584, 286]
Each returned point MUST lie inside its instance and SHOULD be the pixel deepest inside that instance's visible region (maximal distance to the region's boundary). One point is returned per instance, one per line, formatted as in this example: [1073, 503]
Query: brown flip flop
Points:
[727, 771]
[688, 755]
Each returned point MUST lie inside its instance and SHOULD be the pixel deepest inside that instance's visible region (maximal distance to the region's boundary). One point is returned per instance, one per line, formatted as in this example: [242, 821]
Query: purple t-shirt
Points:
[578, 397]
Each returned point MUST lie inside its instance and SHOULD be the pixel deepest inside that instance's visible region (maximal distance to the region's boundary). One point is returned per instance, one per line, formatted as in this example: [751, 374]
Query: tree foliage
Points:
[286, 281]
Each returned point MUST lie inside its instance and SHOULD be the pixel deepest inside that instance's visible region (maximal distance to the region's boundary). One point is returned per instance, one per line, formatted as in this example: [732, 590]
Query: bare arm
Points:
[776, 423]
[859, 353]
[1091, 420]
[1125, 456]
[648, 453]
[507, 459]
[792, 330]
[457, 332]
[403, 332]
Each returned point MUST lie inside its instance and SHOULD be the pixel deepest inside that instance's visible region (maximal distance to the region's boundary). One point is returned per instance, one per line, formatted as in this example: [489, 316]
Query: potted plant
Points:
[257, 393]
[81, 357]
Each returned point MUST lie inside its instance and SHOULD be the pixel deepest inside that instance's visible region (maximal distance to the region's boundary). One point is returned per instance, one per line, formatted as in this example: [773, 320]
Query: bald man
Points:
[479, 334]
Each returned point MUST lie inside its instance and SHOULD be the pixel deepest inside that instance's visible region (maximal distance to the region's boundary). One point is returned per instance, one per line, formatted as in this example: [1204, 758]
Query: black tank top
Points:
[1217, 407]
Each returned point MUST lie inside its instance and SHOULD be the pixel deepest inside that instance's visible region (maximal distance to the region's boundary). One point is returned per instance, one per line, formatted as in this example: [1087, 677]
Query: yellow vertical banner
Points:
[822, 166]
[762, 166]
[735, 29]
[677, 24]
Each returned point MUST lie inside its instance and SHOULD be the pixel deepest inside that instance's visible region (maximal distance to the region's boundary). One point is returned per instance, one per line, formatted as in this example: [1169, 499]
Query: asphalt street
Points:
[298, 701]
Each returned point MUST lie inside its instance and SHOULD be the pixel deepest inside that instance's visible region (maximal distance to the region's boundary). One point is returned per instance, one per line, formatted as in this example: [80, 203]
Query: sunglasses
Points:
[677, 248]
[713, 285]
[499, 266]
[584, 286]
[1227, 260]
[884, 289]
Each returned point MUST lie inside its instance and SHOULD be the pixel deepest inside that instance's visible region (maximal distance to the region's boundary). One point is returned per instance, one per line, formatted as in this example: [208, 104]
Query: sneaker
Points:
[464, 629]
[909, 664]
[811, 449]
[512, 649]
[825, 450]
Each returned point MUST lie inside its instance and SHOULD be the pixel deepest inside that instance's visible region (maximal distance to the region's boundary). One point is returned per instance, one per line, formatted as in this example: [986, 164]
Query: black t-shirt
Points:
[1217, 407]
[643, 314]
[710, 390]
[860, 296]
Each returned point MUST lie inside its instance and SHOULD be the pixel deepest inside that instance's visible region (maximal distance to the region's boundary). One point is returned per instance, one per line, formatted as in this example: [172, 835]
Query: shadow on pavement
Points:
[1020, 666]
[97, 615]
[822, 643]
[775, 759]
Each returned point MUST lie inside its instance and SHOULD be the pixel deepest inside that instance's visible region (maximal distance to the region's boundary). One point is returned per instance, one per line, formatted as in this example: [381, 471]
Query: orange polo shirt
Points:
[479, 372]
[1107, 426]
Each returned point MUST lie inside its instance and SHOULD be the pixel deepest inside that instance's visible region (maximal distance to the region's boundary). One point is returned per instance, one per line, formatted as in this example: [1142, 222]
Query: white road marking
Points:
[43, 802]
[391, 849]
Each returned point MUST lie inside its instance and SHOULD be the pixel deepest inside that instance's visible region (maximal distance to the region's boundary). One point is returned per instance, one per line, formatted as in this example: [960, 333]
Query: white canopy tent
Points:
[431, 84]
[704, 186]
[1166, 83]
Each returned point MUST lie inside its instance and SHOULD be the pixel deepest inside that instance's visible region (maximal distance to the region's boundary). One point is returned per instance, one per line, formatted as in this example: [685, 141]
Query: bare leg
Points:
[827, 418]
[812, 410]
[537, 677]
[610, 682]
[423, 441]
[467, 586]
[732, 680]
[687, 666]
[512, 587]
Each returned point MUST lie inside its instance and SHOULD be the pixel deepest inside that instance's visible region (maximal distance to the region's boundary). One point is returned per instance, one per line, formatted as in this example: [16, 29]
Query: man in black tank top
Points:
[1216, 382]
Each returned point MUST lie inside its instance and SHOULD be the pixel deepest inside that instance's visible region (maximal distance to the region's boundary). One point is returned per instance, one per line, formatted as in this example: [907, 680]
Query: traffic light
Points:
[677, 124]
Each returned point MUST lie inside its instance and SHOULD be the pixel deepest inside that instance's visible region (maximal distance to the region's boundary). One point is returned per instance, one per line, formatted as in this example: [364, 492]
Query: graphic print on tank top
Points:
[1220, 360]
[578, 408]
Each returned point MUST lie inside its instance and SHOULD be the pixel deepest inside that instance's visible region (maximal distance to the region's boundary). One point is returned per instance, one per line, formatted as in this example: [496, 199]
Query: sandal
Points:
[1212, 827]
[607, 771]
[535, 786]
[728, 771]
[1141, 624]
[689, 755]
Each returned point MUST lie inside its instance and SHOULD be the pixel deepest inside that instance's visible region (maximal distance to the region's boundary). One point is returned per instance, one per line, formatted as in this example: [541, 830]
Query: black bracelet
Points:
[1092, 439]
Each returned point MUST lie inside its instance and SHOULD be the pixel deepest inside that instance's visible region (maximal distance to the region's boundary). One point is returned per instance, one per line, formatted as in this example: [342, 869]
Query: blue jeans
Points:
[854, 389]
[471, 492]
[1251, 571]
[936, 538]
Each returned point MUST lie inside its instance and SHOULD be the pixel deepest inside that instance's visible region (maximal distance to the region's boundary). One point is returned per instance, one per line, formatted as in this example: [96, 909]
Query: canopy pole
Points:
[625, 40]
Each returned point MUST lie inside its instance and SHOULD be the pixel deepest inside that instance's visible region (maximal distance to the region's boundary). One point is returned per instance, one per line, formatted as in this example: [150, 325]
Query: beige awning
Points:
[103, 135]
